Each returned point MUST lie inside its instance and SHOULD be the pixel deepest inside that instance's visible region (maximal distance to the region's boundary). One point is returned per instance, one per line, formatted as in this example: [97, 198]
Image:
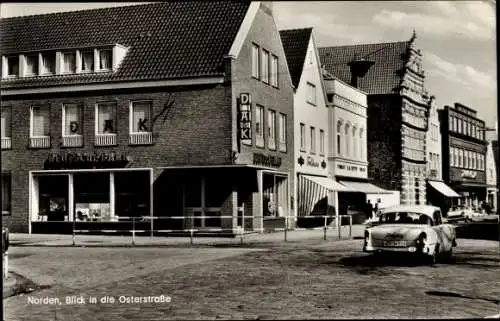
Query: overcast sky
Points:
[457, 38]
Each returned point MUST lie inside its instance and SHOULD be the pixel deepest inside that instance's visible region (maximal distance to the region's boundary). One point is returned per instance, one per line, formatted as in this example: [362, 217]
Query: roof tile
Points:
[383, 77]
[167, 39]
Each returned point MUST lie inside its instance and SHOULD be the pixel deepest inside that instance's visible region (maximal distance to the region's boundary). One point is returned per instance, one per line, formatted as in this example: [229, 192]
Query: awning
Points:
[362, 187]
[328, 183]
[311, 190]
[444, 189]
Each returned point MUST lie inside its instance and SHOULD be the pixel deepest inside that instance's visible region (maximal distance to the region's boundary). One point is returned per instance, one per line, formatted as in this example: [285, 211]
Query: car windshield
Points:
[404, 218]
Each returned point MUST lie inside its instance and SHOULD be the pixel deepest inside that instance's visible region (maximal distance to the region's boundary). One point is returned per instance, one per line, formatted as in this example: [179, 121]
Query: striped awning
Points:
[362, 187]
[312, 189]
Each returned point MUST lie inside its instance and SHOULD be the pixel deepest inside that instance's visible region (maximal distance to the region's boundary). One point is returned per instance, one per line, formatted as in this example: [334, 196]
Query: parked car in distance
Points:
[414, 229]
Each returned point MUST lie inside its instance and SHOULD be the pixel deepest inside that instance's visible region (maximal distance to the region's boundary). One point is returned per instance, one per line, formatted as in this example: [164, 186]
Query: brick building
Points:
[464, 153]
[397, 112]
[146, 110]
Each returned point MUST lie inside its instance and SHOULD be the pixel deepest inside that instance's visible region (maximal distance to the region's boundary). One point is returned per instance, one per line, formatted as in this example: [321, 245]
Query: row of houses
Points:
[205, 115]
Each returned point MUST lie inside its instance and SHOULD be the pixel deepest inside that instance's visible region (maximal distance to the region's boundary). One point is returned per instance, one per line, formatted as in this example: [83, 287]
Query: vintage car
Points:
[415, 229]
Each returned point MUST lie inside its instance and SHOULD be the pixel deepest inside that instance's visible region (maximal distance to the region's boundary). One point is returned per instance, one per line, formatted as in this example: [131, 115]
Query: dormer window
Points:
[48, 63]
[68, 62]
[105, 59]
[31, 65]
[12, 66]
[87, 61]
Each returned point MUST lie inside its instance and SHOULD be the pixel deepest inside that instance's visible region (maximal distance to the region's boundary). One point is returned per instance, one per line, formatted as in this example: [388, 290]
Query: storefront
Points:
[470, 185]
[441, 195]
[95, 198]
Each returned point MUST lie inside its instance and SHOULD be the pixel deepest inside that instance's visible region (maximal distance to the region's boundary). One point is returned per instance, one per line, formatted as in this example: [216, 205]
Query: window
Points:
[455, 126]
[282, 131]
[49, 63]
[140, 117]
[106, 118]
[87, 61]
[12, 66]
[69, 62]
[466, 129]
[265, 66]
[271, 125]
[313, 140]
[339, 140]
[361, 144]
[453, 156]
[274, 70]
[72, 119]
[321, 142]
[6, 193]
[311, 93]
[255, 61]
[40, 121]
[481, 162]
[302, 137]
[474, 160]
[450, 123]
[460, 126]
[259, 123]
[469, 161]
[31, 65]
[347, 147]
[6, 122]
[105, 59]
[460, 157]
[354, 142]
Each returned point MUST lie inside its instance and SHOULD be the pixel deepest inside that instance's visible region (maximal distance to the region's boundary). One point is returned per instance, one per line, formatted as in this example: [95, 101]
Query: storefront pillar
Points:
[230, 208]
[71, 198]
[112, 196]
[257, 198]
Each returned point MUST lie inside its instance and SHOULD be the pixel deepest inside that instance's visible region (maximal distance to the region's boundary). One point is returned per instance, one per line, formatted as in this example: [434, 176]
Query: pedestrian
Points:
[369, 210]
[376, 207]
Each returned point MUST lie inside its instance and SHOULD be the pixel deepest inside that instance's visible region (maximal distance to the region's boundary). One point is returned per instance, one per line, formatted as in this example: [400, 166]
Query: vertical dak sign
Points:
[245, 119]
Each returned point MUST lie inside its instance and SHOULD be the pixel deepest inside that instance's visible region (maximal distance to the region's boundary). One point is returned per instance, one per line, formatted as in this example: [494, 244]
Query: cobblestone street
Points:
[296, 280]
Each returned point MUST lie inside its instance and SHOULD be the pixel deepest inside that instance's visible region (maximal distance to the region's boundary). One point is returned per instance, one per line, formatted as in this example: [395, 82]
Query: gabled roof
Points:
[382, 78]
[166, 40]
[295, 43]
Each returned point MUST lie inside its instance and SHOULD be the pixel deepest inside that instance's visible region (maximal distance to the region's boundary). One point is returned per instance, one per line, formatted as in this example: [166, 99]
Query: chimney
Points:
[359, 68]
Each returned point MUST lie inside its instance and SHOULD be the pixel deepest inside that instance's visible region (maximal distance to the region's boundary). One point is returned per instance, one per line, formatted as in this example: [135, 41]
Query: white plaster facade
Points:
[491, 177]
[310, 115]
[347, 117]
[433, 144]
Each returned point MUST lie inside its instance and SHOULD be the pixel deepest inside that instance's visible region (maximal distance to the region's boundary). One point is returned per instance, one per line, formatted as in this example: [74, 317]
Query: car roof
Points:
[421, 209]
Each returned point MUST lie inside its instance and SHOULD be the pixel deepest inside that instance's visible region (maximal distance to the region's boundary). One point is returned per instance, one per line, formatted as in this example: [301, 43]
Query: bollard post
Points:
[350, 227]
[340, 227]
[324, 230]
[191, 231]
[152, 226]
[73, 232]
[286, 228]
[133, 230]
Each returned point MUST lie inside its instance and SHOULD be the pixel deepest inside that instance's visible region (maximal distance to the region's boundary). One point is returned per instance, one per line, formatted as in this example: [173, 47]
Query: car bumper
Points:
[428, 249]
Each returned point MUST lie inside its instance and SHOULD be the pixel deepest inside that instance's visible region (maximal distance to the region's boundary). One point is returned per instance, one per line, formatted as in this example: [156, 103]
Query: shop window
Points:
[105, 126]
[87, 60]
[265, 66]
[92, 196]
[259, 123]
[40, 127]
[105, 59]
[132, 200]
[6, 193]
[271, 125]
[321, 142]
[53, 198]
[282, 132]
[255, 61]
[31, 65]
[313, 140]
[192, 191]
[302, 137]
[72, 125]
[140, 123]
[48, 63]
[6, 127]
[69, 62]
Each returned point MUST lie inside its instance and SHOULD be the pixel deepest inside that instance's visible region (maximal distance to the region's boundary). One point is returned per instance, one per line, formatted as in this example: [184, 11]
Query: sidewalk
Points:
[19, 239]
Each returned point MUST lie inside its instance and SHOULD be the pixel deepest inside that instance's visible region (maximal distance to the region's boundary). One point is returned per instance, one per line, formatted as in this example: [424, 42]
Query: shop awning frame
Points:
[328, 183]
[363, 187]
[444, 189]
